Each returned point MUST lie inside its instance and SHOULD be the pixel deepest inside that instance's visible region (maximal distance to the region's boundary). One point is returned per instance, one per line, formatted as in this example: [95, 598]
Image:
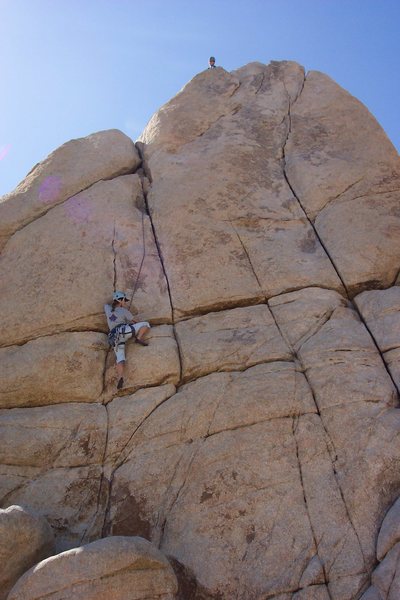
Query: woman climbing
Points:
[122, 327]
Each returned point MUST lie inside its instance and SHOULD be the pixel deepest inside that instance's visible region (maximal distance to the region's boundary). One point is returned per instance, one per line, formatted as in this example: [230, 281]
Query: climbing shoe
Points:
[141, 342]
[120, 383]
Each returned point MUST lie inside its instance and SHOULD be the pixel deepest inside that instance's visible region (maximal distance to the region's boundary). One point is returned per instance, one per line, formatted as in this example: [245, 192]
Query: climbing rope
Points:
[141, 263]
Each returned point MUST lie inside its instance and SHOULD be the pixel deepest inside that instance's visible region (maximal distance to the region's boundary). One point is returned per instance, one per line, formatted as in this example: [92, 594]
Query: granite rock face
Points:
[386, 577]
[25, 539]
[116, 568]
[73, 167]
[256, 439]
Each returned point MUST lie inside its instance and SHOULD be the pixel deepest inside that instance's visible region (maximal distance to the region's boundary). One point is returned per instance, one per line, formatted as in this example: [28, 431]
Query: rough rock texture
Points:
[256, 441]
[116, 568]
[67, 367]
[223, 173]
[25, 539]
[68, 170]
[346, 175]
[386, 577]
[381, 312]
[229, 340]
[50, 459]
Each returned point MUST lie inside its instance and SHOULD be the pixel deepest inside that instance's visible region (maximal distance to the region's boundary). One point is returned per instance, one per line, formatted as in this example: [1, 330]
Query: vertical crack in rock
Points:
[157, 243]
[286, 177]
[103, 484]
[294, 430]
[122, 457]
[284, 168]
[143, 256]
[178, 493]
[334, 456]
[120, 461]
[104, 385]
[114, 258]
[329, 442]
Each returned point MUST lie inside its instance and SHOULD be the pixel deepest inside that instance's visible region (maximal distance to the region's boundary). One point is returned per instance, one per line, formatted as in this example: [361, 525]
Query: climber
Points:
[122, 327]
[211, 62]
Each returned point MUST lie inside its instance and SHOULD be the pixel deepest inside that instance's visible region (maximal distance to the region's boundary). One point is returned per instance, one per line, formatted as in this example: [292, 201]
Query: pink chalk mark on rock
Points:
[50, 188]
[4, 151]
[78, 209]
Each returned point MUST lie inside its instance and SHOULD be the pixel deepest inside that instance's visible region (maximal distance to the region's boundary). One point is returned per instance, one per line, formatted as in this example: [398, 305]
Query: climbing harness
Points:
[116, 335]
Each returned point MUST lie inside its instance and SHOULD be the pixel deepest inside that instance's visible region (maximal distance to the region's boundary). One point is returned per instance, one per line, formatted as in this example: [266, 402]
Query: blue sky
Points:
[72, 67]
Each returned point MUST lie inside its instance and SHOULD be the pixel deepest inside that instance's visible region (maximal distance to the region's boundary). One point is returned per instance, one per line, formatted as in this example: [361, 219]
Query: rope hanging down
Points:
[141, 262]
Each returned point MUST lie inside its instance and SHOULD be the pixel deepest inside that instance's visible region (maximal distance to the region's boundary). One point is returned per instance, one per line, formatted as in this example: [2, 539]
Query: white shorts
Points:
[120, 349]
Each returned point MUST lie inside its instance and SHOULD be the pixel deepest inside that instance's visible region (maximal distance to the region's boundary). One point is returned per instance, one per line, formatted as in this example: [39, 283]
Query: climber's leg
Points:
[120, 364]
[141, 329]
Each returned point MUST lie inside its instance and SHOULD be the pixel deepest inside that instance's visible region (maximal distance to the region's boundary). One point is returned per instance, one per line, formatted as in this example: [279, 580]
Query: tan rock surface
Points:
[96, 238]
[198, 468]
[25, 539]
[72, 499]
[50, 460]
[389, 533]
[328, 513]
[356, 399]
[126, 414]
[313, 574]
[66, 435]
[229, 340]
[381, 312]
[315, 592]
[68, 170]
[67, 367]
[116, 568]
[226, 181]
[315, 306]
[386, 577]
[346, 174]
[371, 594]
[270, 474]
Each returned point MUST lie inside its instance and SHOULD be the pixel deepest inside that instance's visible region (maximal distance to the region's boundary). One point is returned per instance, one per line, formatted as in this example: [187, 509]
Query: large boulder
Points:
[25, 539]
[68, 170]
[115, 568]
[50, 461]
[256, 440]
[346, 174]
